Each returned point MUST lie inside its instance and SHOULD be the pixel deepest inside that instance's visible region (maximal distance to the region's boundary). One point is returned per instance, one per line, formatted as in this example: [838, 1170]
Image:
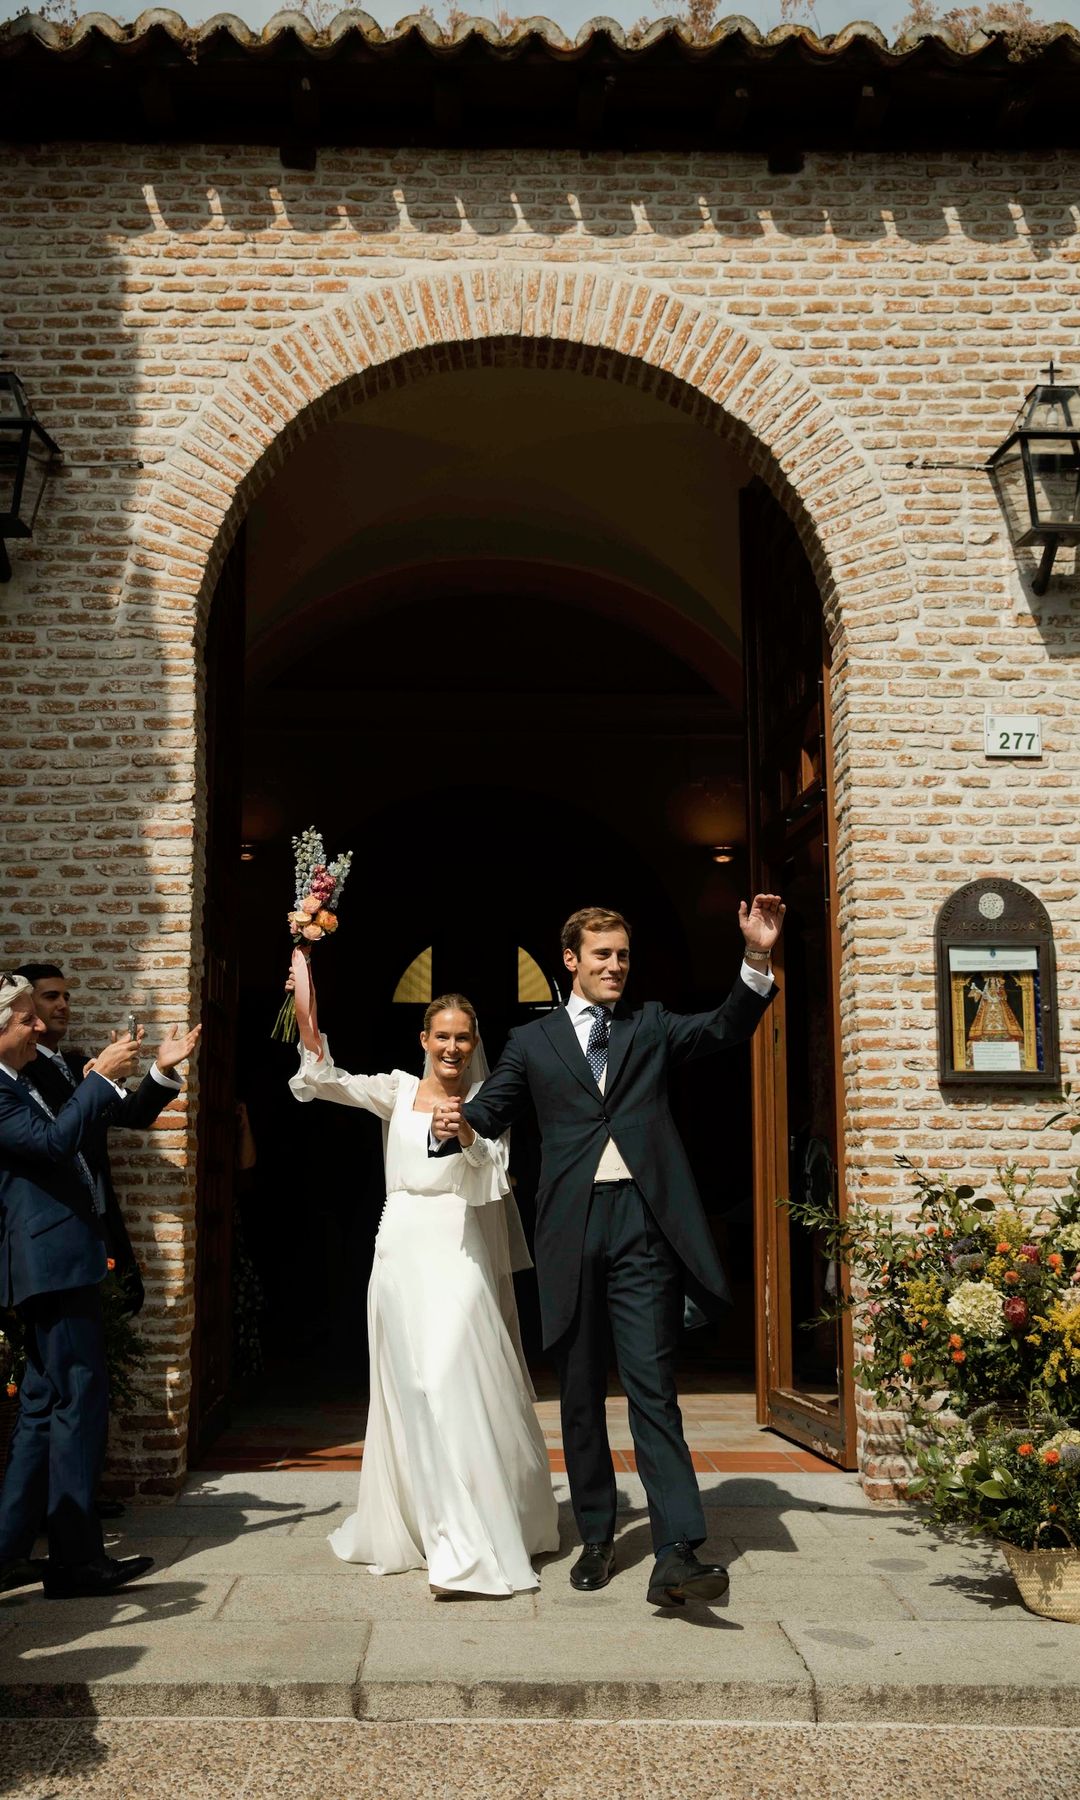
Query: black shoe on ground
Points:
[679, 1577]
[95, 1578]
[594, 1567]
[22, 1573]
[109, 1509]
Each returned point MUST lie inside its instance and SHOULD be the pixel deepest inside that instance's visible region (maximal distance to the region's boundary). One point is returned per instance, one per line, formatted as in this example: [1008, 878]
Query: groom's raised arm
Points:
[503, 1096]
[690, 1035]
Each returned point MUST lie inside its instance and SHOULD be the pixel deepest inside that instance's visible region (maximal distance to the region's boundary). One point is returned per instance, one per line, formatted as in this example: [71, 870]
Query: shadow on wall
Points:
[847, 200]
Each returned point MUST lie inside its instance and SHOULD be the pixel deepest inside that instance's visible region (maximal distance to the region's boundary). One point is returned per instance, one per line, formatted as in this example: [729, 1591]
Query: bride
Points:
[455, 1469]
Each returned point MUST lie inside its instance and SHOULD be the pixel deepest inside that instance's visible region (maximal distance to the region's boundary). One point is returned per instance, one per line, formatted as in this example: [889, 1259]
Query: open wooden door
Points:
[223, 673]
[804, 1371]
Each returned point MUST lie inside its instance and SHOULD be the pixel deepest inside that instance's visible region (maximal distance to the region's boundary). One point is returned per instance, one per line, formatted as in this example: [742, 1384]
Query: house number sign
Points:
[1013, 734]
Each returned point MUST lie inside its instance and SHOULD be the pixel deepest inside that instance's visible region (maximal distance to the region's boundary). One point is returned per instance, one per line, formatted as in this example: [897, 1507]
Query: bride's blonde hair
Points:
[452, 1003]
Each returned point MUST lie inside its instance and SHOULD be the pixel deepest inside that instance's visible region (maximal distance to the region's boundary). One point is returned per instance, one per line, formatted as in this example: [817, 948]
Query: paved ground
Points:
[840, 1612]
[343, 1760]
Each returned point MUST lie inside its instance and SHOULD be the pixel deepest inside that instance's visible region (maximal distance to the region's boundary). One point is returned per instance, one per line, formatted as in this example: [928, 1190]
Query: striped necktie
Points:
[80, 1161]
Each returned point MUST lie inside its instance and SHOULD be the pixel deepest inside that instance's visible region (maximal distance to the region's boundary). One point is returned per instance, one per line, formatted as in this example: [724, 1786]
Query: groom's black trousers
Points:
[631, 1282]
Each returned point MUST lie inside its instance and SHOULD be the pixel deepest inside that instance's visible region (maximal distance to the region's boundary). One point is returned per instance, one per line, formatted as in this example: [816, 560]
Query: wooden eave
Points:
[780, 94]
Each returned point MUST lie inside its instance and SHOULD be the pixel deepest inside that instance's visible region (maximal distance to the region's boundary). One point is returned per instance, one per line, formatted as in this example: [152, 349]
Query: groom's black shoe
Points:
[103, 1577]
[594, 1567]
[679, 1577]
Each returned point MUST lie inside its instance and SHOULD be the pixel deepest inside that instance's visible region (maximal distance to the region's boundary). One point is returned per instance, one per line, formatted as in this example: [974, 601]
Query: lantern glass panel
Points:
[1052, 409]
[1055, 480]
[1010, 479]
[12, 443]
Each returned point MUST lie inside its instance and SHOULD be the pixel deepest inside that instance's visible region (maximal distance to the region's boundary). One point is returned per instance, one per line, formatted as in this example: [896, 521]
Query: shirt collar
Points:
[43, 1050]
[577, 1004]
[9, 1071]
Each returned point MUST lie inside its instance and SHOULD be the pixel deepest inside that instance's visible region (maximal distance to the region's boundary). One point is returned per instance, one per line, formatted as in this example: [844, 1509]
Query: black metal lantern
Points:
[27, 455]
[1037, 472]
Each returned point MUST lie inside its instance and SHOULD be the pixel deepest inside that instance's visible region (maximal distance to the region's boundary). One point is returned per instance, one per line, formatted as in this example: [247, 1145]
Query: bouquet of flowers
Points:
[1019, 1484]
[314, 916]
[972, 1302]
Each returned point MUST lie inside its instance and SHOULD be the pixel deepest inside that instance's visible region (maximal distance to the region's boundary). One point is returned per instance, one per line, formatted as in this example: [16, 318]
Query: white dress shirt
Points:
[611, 1166]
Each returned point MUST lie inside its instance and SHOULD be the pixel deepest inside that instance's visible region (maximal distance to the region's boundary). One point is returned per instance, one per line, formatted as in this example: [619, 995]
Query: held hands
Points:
[447, 1122]
[762, 924]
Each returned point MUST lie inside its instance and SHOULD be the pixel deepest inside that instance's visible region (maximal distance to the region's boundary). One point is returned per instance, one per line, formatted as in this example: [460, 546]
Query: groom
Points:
[619, 1223]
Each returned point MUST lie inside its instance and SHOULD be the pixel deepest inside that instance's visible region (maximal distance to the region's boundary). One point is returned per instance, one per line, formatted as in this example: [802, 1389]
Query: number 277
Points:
[1016, 740]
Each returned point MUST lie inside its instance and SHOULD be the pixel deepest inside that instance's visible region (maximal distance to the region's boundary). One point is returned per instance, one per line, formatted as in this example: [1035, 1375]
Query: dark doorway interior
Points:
[481, 811]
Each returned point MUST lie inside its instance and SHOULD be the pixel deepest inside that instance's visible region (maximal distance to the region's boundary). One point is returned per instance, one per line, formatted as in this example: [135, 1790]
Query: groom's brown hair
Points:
[590, 918]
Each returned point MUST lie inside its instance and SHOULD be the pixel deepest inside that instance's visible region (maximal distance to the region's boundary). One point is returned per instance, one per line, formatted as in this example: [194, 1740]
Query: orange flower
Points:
[1002, 1249]
[955, 1341]
[946, 1231]
[1051, 1456]
[312, 932]
[908, 1360]
[327, 920]
[12, 1390]
[1024, 1449]
[1011, 1275]
[923, 1323]
[959, 1356]
[110, 1263]
[931, 1231]
[1054, 1260]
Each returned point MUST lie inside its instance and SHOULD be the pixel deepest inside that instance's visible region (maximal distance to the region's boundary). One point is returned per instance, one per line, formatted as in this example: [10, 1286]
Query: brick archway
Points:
[614, 328]
[603, 326]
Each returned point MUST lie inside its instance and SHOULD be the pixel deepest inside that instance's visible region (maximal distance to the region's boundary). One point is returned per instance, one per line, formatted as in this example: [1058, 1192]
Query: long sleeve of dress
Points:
[315, 1080]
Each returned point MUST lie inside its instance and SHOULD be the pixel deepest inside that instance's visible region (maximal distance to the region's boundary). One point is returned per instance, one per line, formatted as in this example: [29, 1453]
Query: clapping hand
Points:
[176, 1047]
[762, 923]
[119, 1059]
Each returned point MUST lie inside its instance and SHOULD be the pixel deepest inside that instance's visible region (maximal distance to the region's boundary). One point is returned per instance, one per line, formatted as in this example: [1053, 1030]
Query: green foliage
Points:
[1021, 1485]
[974, 1301]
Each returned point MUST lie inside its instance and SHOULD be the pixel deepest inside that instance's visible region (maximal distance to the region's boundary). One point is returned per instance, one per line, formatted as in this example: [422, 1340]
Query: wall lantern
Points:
[27, 458]
[1037, 472]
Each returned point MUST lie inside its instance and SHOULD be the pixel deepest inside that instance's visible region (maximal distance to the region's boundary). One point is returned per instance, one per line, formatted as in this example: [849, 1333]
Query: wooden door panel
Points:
[211, 1357]
[804, 1385]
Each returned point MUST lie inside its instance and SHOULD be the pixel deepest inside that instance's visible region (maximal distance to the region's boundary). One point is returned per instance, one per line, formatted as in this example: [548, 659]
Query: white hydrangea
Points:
[1068, 1238]
[975, 1308]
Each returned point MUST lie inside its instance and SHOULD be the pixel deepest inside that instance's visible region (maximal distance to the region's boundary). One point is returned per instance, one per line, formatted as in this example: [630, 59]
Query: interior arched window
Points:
[414, 988]
[533, 986]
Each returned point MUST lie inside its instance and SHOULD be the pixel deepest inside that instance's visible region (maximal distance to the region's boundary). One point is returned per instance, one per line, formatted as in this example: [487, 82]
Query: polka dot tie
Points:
[596, 1048]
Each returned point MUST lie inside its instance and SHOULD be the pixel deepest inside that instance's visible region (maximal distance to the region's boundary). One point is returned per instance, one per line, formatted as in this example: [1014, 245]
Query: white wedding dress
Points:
[455, 1471]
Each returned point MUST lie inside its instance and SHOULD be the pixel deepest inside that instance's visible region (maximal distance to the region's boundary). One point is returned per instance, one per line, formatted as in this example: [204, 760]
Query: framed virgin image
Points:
[996, 995]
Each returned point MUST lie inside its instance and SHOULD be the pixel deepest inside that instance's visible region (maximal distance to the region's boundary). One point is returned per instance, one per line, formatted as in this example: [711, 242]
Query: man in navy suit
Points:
[52, 1258]
[619, 1224]
[55, 1071]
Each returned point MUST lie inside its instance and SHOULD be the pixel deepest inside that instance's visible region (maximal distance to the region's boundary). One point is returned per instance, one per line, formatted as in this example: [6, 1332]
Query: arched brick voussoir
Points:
[614, 327]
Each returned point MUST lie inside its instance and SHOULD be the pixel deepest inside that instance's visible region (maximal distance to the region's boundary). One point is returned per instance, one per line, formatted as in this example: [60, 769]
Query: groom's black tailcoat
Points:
[543, 1061]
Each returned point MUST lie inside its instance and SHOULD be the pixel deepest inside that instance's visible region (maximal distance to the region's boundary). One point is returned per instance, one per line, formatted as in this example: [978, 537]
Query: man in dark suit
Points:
[619, 1224]
[55, 1072]
[52, 1258]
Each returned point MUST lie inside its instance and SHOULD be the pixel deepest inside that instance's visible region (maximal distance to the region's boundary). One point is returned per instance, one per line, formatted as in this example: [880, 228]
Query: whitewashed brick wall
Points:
[173, 312]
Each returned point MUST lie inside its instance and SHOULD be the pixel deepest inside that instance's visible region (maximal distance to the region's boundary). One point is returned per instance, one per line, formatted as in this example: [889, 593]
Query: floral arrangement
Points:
[973, 1303]
[319, 886]
[1019, 1484]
